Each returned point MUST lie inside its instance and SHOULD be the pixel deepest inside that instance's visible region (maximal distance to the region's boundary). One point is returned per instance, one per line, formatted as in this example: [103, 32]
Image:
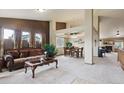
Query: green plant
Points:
[50, 50]
[68, 44]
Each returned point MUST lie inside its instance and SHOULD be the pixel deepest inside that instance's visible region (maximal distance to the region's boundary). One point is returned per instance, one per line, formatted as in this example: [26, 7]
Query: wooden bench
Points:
[34, 64]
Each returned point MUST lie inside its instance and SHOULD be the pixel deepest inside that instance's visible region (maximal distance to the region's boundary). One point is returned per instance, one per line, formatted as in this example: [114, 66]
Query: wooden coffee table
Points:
[35, 64]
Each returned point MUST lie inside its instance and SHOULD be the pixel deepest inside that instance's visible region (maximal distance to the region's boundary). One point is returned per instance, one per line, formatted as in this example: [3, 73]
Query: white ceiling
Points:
[113, 13]
[64, 15]
[73, 16]
[58, 14]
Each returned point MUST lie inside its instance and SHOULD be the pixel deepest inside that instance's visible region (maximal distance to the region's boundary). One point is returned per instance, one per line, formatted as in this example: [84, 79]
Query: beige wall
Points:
[109, 27]
[68, 30]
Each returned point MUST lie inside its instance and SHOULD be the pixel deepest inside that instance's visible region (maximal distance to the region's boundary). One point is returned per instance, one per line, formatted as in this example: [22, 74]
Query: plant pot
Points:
[48, 58]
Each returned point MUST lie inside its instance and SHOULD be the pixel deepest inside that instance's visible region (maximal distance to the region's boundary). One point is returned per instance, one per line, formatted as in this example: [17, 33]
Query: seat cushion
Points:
[35, 52]
[19, 60]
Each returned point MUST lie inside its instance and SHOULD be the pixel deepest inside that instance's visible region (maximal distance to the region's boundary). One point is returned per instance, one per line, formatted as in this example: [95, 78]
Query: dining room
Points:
[74, 45]
[71, 44]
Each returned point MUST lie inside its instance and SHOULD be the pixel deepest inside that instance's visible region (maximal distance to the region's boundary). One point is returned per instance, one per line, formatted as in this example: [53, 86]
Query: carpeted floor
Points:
[70, 71]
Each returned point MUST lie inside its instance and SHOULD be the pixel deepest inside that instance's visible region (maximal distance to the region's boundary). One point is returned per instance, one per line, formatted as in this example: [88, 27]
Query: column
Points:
[88, 49]
[52, 32]
[95, 35]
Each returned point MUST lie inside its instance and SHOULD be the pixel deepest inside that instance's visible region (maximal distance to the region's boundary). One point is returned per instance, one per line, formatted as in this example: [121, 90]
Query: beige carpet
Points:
[70, 71]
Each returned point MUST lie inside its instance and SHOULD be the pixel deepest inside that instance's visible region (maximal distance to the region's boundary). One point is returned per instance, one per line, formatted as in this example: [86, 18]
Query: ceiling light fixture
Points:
[41, 10]
[117, 34]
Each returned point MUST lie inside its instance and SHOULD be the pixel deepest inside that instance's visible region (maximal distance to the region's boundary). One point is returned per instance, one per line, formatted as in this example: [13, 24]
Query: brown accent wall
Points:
[60, 25]
[32, 26]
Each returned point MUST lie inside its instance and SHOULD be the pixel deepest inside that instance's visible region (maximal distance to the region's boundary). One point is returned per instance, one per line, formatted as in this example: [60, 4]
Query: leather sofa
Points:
[15, 58]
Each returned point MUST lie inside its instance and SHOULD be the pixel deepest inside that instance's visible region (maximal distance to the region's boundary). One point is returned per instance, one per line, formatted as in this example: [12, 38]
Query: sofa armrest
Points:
[9, 62]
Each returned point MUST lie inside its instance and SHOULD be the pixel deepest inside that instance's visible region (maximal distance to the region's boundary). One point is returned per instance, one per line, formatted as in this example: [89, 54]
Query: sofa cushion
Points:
[24, 53]
[14, 53]
[19, 60]
[34, 53]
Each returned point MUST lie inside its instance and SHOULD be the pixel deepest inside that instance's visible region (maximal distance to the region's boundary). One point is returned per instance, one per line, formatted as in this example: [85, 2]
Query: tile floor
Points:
[71, 71]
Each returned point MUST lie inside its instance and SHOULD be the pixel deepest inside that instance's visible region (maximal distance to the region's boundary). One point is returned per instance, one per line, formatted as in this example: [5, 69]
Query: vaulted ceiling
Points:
[112, 13]
[50, 14]
[74, 16]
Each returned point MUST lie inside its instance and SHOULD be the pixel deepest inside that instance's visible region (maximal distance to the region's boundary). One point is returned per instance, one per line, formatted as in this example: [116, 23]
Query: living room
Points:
[29, 35]
[61, 46]
[23, 37]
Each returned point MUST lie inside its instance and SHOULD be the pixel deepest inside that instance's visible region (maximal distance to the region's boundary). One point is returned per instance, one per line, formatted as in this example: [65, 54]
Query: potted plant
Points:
[50, 51]
[68, 44]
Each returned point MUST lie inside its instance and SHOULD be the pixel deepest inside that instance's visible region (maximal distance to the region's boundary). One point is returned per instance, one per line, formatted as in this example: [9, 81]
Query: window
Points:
[38, 40]
[8, 34]
[25, 39]
[119, 44]
[59, 42]
[8, 38]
